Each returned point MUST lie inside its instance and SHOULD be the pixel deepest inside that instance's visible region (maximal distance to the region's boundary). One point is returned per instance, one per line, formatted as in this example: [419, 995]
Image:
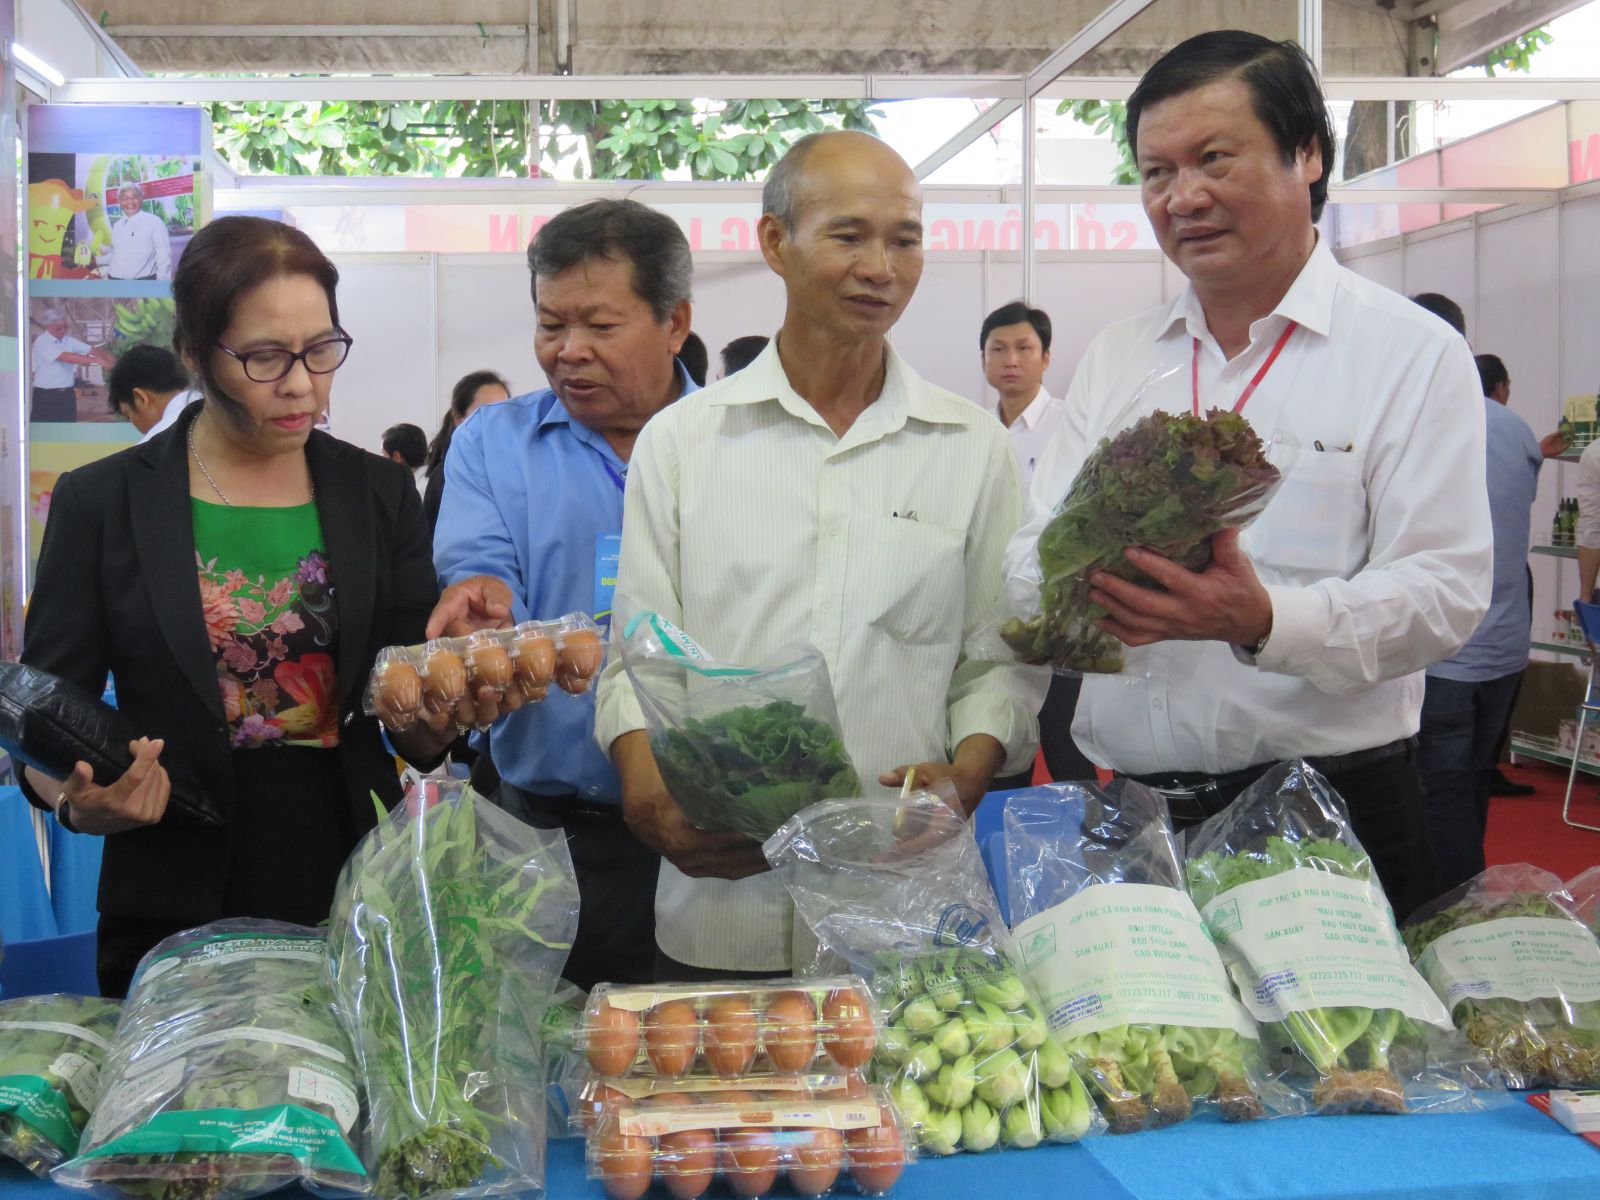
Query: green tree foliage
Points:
[608, 139]
[1514, 55]
[1106, 116]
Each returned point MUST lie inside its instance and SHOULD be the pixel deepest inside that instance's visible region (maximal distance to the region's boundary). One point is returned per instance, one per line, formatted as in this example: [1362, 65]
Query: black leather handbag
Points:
[51, 724]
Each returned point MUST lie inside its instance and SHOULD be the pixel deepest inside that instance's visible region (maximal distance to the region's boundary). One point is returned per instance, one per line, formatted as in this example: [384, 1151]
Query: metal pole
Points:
[1311, 31]
[1029, 179]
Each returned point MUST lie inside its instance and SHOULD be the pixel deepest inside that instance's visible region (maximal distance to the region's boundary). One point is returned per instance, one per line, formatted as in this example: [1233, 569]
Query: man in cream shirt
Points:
[1308, 635]
[141, 246]
[826, 494]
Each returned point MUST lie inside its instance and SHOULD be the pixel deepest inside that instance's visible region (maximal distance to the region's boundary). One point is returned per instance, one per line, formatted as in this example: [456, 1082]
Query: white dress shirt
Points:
[172, 412]
[140, 246]
[48, 369]
[1376, 551]
[1032, 431]
[751, 526]
[1587, 492]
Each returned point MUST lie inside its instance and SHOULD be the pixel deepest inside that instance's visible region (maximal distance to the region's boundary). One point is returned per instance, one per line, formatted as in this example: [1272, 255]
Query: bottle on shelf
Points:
[1556, 523]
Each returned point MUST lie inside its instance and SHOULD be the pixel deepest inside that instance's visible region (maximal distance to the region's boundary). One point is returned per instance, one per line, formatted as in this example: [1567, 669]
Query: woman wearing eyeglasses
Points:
[237, 575]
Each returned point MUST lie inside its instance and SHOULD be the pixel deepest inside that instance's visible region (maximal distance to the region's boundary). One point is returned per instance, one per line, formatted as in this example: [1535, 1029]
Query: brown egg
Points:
[623, 1164]
[578, 659]
[876, 1156]
[489, 662]
[446, 674]
[848, 1031]
[671, 1036]
[730, 1043]
[399, 686]
[534, 664]
[612, 1039]
[688, 1162]
[750, 1161]
[819, 1155]
[789, 1031]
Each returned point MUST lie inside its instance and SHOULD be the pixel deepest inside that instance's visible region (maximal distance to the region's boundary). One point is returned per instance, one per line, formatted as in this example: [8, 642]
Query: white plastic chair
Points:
[1589, 618]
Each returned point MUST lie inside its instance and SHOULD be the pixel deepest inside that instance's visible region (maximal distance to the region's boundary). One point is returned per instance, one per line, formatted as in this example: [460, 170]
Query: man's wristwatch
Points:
[1254, 651]
[64, 814]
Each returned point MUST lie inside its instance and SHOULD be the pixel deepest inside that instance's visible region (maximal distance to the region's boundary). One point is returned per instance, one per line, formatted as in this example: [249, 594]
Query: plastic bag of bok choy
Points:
[52, 1052]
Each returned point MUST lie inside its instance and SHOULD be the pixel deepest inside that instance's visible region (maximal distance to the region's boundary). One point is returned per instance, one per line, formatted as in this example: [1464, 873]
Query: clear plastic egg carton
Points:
[752, 1143]
[730, 1030]
[447, 673]
[588, 1096]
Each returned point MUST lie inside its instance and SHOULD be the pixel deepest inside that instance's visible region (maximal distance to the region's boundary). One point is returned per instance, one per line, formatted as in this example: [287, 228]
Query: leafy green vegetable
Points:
[52, 1050]
[1547, 1041]
[229, 1076]
[450, 927]
[1348, 1048]
[1167, 483]
[749, 769]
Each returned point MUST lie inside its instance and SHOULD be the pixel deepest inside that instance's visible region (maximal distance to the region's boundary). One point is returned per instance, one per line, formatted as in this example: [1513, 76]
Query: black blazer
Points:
[117, 590]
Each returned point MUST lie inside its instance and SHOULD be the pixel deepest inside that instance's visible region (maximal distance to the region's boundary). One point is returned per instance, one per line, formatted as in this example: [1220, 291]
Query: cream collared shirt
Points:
[751, 526]
[1377, 550]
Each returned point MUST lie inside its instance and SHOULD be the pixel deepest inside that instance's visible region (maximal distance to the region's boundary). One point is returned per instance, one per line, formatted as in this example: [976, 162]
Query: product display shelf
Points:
[1526, 748]
[1555, 551]
[1577, 650]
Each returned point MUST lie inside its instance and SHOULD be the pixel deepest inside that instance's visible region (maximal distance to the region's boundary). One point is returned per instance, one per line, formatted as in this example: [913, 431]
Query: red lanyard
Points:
[1249, 390]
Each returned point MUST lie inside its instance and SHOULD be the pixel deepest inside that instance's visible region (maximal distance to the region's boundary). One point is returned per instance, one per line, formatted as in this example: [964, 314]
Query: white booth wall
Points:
[1527, 281]
[421, 321]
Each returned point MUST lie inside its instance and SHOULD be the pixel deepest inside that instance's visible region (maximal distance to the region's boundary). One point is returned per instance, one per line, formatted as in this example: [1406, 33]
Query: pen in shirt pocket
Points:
[1321, 449]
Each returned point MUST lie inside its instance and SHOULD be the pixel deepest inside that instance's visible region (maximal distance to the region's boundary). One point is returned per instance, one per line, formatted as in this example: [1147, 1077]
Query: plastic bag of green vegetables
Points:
[1307, 933]
[1584, 888]
[564, 1061]
[1120, 959]
[451, 925]
[229, 1075]
[898, 890]
[1520, 974]
[1167, 482]
[52, 1052]
[741, 749]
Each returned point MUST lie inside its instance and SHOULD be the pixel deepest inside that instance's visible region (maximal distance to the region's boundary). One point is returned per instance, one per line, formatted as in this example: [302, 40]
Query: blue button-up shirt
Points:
[1500, 645]
[529, 494]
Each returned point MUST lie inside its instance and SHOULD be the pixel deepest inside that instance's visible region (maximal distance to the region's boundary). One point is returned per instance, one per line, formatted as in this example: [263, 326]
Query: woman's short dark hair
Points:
[1016, 313]
[624, 231]
[461, 398]
[1283, 92]
[226, 259]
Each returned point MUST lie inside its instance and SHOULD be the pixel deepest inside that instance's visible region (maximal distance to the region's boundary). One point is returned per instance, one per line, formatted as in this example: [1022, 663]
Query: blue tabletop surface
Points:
[1509, 1153]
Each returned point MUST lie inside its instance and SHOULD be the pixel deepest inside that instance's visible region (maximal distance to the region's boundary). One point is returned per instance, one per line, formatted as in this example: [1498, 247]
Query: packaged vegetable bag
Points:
[451, 925]
[897, 889]
[52, 1052]
[1584, 889]
[1121, 961]
[229, 1075]
[1307, 933]
[741, 749]
[1166, 482]
[1519, 973]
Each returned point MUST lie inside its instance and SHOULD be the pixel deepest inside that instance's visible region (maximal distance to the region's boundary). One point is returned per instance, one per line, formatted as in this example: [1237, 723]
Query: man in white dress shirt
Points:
[1015, 345]
[825, 493]
[1307, 636]
[149, 386]
[56, 359]
[141, 246]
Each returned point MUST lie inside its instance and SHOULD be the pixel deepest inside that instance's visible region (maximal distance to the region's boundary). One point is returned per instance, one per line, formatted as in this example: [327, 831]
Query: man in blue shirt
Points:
[531, 525]
[1469, 696]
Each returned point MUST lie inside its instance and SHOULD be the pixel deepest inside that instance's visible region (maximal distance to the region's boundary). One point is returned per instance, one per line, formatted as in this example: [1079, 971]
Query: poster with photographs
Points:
[12, 481]
[114, 194]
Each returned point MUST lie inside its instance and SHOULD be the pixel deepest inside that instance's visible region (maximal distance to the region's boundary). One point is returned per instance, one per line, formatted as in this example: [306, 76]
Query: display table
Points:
[1510, 1153]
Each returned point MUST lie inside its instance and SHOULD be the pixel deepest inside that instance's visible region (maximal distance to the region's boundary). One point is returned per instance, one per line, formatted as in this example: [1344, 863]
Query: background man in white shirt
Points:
[1014, 346]
[141, 246]
[55, 360]
[407, 445]
[824, 493]
[1308, 635]
[150, 387]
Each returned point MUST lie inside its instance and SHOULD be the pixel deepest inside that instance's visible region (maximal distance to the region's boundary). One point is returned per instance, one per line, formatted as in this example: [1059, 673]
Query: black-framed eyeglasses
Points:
[269, 366]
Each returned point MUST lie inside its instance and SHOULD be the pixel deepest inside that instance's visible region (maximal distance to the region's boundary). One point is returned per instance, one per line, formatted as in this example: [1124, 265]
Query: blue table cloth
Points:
[1509, 1153]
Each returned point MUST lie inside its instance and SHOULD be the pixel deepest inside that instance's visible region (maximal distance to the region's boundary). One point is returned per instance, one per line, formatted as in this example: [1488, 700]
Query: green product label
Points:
[306, 1136]
[35, 1103]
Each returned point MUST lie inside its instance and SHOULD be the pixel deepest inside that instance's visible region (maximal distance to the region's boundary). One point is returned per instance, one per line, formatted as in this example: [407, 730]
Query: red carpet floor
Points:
[1530, 829]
